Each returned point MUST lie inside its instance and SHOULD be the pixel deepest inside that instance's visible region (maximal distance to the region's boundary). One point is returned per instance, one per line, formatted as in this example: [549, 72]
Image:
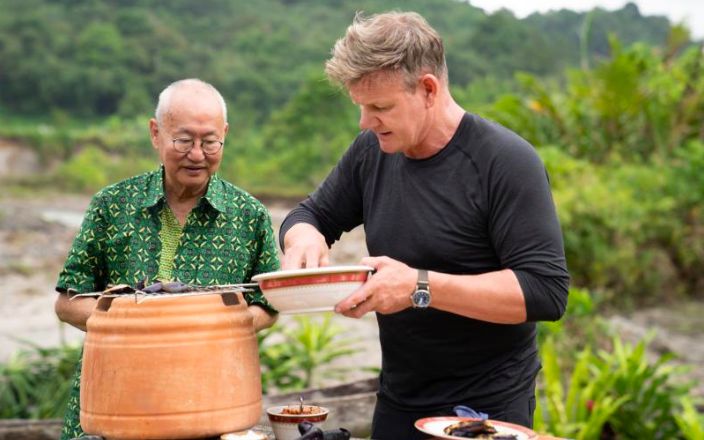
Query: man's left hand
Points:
[387, 291]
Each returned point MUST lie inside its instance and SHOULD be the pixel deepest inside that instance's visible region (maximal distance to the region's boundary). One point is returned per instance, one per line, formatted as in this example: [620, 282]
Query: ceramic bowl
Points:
[311, 290]
[285, 426]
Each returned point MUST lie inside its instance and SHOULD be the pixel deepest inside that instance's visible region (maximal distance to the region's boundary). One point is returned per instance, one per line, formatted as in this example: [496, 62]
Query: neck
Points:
[177, 196]
[442, 126]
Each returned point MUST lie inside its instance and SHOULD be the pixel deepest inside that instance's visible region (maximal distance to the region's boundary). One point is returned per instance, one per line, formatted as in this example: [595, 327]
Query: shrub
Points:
[610, 394]
[35, 383]
[292, 358]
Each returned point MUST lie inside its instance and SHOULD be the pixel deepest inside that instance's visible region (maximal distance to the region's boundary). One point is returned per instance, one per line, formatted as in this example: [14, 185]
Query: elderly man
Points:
[180, 222]
[460, 226]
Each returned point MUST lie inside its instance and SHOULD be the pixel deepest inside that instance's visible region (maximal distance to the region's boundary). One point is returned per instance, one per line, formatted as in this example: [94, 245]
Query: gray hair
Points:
[165, 96]
[392, 41]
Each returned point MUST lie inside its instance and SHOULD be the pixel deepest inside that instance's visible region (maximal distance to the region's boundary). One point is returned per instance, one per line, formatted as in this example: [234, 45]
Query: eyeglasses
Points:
[185, 145]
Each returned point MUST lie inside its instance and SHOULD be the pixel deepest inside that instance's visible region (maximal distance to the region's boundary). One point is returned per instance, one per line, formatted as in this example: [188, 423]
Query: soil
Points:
[36, 233]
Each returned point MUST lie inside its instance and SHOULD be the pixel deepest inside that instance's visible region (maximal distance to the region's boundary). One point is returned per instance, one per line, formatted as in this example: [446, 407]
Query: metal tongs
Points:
[162, 290]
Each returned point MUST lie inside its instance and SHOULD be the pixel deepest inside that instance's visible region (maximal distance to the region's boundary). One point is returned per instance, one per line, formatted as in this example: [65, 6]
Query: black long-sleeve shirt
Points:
[481, 204]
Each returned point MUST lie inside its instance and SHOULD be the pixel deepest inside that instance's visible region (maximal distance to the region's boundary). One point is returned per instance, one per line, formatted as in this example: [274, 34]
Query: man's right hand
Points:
[304, 246]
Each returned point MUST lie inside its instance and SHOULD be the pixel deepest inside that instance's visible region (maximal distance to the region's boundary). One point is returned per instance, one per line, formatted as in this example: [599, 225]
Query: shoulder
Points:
[490, 144]
[236, 200]
[364, 149]
[132, 190]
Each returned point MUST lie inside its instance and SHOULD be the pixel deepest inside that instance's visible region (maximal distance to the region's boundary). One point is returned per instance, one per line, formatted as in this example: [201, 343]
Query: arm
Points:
[531, 280]
[310, 229]
[493, 296]
[75, 312]
[262, 318]
[264, 259]
[84, 269]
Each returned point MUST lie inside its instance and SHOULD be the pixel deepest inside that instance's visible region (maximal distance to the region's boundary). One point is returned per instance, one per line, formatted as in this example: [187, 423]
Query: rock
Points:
[20, 429]
[17, 160]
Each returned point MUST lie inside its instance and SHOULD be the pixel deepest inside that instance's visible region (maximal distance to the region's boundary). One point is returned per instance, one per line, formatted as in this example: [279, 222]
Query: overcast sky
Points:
[691, 12]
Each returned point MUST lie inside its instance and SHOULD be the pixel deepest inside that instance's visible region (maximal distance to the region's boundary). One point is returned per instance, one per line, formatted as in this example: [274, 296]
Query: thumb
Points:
[374, 262]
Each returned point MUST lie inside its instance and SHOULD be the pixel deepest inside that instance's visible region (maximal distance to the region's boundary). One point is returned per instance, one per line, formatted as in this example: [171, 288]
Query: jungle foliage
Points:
[614, 109]
[103, 57]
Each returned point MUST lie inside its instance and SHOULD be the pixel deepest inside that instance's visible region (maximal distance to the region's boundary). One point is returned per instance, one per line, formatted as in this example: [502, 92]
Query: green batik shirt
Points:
[227, 239]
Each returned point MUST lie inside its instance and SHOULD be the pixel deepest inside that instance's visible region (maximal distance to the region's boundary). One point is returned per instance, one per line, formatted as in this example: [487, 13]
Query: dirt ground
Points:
[36, 232]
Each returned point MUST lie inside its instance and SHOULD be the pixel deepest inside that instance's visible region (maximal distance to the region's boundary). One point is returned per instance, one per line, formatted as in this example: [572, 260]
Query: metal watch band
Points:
[422, 279]
[420, 298]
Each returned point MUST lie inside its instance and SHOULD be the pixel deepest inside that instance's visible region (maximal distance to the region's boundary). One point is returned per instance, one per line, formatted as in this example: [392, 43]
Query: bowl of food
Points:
[312, 289]
[285, 419]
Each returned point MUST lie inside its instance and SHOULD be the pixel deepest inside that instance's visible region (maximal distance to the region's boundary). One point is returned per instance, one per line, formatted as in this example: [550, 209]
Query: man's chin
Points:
[387, 146]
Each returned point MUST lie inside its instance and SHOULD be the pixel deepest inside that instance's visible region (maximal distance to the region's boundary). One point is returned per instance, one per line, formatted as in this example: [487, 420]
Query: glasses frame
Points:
[193, 144]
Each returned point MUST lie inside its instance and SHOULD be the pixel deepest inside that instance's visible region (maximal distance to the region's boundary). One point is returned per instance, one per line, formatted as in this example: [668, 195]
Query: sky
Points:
[691, 12]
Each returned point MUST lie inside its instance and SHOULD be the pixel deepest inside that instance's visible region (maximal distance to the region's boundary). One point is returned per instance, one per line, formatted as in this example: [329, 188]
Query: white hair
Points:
[165, 96]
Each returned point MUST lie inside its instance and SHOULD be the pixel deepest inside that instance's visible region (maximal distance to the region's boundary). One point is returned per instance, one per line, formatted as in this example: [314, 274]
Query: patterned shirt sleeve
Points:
[84, 269]
[267, 259]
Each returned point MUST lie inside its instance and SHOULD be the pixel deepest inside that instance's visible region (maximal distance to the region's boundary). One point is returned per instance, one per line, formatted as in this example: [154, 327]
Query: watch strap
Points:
[422, 279]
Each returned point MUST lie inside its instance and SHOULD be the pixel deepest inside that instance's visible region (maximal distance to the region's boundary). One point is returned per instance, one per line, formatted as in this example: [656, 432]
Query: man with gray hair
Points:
[460, 226]
[180, 222]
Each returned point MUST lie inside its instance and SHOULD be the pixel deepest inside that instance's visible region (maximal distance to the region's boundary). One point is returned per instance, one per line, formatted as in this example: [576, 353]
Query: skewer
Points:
[200, 290]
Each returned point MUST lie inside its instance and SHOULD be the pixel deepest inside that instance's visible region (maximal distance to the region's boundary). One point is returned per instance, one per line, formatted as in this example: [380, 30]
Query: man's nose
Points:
[366, 120]
[196, 153]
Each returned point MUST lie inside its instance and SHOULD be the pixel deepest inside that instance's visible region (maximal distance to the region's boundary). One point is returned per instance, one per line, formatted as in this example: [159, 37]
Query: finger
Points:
[292, 259]
[324, 260]
[352, 300]
[374, 262]
[361, 309]
[313, 257]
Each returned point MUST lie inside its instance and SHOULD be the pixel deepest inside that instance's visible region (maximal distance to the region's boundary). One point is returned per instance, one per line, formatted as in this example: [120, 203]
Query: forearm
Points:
[493, 297]
[74, 312]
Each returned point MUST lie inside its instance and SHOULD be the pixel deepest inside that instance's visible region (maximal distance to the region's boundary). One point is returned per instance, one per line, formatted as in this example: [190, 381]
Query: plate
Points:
[435, 426]
[312, 289]
[325, 270]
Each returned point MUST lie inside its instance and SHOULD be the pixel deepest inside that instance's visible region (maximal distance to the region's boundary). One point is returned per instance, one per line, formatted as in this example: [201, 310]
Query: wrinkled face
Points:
[397, 116]
[192, 113]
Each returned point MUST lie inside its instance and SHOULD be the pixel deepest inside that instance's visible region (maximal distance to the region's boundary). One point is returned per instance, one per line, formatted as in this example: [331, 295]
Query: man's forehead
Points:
[374, 85]
[380, 77]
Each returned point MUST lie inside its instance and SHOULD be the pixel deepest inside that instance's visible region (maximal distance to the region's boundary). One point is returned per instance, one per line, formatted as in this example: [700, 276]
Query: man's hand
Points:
[304, 247]
[387, 291]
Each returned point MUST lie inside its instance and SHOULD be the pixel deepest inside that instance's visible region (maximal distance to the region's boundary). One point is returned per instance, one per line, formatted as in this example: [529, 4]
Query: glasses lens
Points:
[183, 145]
[211, 147]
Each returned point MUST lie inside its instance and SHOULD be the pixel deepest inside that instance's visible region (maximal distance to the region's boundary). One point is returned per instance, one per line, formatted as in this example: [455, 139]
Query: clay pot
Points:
[170, 368]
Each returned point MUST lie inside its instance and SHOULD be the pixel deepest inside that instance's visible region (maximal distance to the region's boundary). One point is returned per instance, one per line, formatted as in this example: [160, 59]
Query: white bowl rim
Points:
[276, 411]
[311, 271]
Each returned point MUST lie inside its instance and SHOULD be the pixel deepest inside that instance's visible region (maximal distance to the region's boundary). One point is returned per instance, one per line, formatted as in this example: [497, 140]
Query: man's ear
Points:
[429, 85]
[154, 133]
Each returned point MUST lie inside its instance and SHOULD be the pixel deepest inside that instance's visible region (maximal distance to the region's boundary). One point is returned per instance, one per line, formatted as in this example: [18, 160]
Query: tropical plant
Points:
[690, 422]
[607, 391]
[637, 104]
[294, 357]
[36, 381]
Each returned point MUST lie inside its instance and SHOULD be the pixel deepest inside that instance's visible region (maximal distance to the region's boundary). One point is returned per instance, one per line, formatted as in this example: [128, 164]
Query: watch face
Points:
[421, 298]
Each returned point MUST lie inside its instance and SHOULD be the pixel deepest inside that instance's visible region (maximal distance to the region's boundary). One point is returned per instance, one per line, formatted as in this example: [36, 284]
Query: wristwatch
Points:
[421, 297]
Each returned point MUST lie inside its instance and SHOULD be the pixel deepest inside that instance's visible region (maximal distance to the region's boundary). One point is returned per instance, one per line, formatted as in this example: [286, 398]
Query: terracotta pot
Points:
[170, 368]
